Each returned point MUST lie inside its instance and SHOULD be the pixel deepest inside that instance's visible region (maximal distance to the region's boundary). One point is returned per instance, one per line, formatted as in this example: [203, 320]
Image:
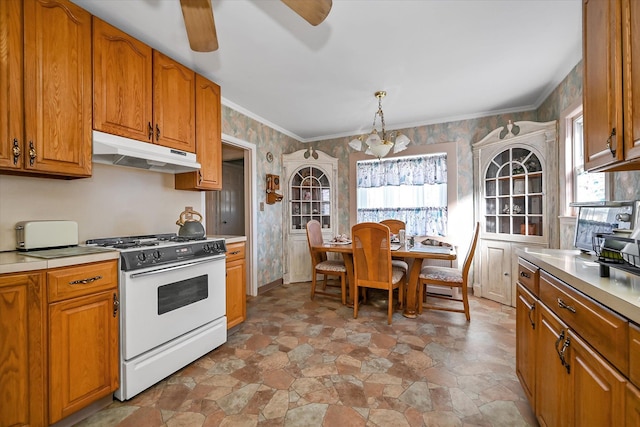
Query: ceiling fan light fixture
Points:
[376, 143]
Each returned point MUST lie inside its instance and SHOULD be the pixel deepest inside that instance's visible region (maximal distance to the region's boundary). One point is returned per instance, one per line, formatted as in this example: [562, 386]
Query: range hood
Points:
[116, 150]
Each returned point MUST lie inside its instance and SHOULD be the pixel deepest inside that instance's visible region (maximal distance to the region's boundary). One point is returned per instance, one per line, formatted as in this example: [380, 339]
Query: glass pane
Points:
[505, 170]
[535, 205]
[504, 187]
[490, 206]
[535, 226]
[492, 170]
[518, 185]
[502, 158]
[535, 184]
[518, 225]
[504, 225]
[490, 188]
[324, 181]
[518, 207]
[590, 187]
[490, 222]
[532, 164]
[505, 205]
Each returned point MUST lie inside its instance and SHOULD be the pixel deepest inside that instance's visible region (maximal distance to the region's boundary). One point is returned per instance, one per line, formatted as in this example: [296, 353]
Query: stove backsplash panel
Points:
[113, 202]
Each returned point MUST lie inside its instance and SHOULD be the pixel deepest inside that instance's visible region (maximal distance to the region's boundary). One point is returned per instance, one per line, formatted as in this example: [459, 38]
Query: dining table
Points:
[413, 254]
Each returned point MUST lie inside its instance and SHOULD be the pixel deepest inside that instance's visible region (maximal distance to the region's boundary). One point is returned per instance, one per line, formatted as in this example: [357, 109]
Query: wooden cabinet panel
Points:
[122, 83]
[496, 272]
[601, 327]
[22, 349]
[526, 342]
[602, 84]
[553, 386]
[631, 55]
[173, 104]
[634, 354]
[598, 389]
[208, 140]
[236, 284]
[11, 86]
[632, 406]
[529, 276]
[83, 352]
[57, 87]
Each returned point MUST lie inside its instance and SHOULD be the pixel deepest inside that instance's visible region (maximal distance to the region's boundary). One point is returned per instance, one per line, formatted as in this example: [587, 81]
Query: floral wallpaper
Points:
[462, 132]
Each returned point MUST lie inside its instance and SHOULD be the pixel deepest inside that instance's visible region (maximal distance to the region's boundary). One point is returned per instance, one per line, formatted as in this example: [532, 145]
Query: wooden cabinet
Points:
[22, 349]
[140, 93]
[516, 169]
[83, 336]
[45, 86]
[122, 83]
[236, 284]
[582, 356]
[611, 94]
[208, 140]
[526, 319]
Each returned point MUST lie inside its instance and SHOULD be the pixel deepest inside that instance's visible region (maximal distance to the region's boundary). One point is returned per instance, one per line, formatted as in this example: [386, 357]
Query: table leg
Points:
[411, 307]
[348, 262]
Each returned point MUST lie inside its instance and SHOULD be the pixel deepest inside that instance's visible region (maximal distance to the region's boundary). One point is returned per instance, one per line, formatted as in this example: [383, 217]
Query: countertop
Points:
[17, 262]
[620, 291]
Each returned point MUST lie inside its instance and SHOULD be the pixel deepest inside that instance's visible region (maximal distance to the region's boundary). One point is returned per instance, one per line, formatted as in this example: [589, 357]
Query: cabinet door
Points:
[22, 349]
[83, 352]
[526, 342]
[57, 87]
[496, 271]
[173, 104]
[208, 140]
[11, 111]
[631, 46]
[553, 386]
[598, 389]
[602, 89]
[632, 406]
[236, 293]
[122, 84]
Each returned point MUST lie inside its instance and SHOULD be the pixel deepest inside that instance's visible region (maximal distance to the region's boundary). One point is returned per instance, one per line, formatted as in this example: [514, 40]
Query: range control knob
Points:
[142, 256]
[207, 248]
[157, 254]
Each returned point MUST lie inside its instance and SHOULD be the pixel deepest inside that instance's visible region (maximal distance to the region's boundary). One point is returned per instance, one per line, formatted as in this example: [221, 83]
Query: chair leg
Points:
[313, 284]
[465, 301]
[390, 309]
[324, 282]
[421, 293]
[355, 302]
[343, 288]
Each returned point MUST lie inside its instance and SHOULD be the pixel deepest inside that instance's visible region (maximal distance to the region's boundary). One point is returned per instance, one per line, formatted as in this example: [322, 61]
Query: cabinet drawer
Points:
[634, 354]
[528, 275]
[69, 282]
[603, 329]
[235, 251]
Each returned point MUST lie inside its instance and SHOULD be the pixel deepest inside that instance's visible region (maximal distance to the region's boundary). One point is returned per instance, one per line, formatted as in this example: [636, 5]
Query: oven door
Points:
[163, 303]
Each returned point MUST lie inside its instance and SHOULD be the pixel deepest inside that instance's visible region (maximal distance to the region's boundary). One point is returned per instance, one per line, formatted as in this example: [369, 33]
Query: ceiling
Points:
[439, 61]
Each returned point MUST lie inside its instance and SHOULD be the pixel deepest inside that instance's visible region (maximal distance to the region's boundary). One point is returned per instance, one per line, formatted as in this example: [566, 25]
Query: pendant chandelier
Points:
[376, 143]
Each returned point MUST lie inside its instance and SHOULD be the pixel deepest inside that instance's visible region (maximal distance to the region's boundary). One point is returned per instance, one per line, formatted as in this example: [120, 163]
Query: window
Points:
[410, 188]
[588, 186]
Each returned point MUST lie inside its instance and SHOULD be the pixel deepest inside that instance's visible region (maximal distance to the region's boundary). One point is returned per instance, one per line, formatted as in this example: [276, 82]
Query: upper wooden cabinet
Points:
[208, 140]
[611, 55]
[140, 93]
[122, 84]
[45, 87]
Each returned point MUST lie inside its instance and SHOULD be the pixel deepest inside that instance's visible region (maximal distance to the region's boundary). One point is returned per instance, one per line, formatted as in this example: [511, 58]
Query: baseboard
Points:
[267, 287]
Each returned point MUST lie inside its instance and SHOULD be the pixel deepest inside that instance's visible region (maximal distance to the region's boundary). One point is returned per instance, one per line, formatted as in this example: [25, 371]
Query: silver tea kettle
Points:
[189, 227]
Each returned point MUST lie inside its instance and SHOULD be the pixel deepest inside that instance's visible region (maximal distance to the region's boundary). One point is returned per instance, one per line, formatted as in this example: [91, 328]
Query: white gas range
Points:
[173, 305]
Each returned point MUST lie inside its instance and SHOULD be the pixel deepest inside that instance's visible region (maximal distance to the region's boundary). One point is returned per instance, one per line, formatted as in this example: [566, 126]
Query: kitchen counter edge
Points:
[620, 291]
[18, 262]
[229, 239]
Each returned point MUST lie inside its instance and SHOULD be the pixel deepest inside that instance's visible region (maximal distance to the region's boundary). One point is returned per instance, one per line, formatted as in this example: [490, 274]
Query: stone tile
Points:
[343, 416]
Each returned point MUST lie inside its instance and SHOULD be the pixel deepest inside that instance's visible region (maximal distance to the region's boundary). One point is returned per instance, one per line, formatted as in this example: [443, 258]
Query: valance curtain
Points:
[411, 189]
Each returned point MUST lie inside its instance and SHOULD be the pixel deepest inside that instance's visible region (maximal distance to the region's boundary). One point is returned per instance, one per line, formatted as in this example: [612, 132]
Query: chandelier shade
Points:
[379, 143]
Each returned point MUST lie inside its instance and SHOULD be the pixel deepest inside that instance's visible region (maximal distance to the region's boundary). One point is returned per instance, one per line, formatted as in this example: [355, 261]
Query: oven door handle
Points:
[177, 267]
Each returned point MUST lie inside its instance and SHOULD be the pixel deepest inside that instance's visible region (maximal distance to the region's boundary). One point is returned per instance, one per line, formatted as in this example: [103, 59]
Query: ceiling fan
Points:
[201, 28]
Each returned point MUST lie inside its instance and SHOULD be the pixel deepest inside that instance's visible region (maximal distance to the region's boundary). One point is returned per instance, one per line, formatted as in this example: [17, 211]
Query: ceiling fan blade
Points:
[201, 29]
[313, 11]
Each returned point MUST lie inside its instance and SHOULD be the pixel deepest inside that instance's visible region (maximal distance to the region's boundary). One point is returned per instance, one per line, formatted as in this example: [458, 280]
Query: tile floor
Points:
[297, 362]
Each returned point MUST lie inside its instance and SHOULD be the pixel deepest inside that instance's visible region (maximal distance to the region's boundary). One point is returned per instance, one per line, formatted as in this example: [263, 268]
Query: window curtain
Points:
[411, 189]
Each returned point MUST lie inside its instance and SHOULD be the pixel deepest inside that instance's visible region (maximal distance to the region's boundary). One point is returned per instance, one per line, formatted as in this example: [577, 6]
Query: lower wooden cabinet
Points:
[236, 284]
[633, 406]
[83, 336]
[526, 319]
[22, 349]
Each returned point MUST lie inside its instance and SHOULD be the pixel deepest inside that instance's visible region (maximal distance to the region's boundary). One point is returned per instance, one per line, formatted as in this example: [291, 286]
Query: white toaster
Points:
[46, 234]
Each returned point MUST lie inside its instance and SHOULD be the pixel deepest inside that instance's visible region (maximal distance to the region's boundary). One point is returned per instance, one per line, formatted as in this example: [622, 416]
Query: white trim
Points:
[244, 111]
[252, 185]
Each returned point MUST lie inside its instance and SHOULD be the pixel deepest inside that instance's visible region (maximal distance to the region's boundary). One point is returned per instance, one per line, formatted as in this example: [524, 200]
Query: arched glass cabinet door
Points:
[310, 192]
[513, 193]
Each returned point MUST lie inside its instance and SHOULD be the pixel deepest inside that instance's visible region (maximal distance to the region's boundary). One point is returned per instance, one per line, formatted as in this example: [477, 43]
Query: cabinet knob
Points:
[16, 151]
[157, 132]
[609, 146]
[32, 153]
[506, 273]
[150, 131]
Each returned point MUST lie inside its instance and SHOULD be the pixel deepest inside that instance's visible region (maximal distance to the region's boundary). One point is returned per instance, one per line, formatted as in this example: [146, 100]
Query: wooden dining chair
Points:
[321, 265]
[450, 277]
[395, 225]
[372, 263]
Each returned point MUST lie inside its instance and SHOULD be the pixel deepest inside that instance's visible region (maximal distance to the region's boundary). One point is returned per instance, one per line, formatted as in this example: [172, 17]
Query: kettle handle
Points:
[182, 218]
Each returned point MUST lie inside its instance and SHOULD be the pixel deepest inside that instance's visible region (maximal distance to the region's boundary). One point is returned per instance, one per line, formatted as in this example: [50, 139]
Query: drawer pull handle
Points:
[523, 274]
[85, 281]
[565, 346]
[116, 304]
[562, 304]
[609, 145]
[234, 253]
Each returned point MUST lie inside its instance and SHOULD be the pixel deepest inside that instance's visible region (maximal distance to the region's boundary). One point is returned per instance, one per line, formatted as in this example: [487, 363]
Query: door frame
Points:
[251, 207]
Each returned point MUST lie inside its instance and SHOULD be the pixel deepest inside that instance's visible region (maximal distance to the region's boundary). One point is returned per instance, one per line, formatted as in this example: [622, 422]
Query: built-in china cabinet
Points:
[516, 183]
[309, 194]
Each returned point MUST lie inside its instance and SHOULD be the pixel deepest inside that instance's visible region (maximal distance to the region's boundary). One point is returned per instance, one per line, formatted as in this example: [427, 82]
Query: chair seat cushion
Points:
[330, 265]
[400, 264]
[396, 274]
[442, 274]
